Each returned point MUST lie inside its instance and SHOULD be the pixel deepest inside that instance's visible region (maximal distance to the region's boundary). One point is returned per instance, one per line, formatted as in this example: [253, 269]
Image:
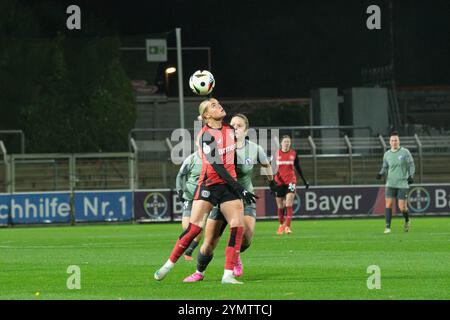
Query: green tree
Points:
[21, 58]
[103, 97]
[67, 93]
[46, 120]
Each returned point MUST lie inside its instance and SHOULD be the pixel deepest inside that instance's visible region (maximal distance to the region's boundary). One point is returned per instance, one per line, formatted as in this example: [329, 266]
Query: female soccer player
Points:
[248, 154]
[398, 164]
[286, 159]
[186, 182]
[217, 185]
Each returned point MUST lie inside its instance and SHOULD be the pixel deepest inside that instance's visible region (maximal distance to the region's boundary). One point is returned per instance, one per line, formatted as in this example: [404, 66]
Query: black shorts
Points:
[216, 194]
[283, 189]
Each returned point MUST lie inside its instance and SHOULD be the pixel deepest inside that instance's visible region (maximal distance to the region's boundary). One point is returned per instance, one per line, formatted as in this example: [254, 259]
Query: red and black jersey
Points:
[285, 162]
[217, 148]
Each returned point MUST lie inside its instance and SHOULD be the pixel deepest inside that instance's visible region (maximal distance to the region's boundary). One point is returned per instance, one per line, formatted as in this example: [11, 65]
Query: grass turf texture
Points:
[325, 259]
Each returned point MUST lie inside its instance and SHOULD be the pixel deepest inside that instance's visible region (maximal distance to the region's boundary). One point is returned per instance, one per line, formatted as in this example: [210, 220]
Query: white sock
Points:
[202, 273]
[227, 273]
[169, 264]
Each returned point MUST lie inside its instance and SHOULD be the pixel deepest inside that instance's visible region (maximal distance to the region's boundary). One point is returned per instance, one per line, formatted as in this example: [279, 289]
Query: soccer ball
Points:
[202, 82]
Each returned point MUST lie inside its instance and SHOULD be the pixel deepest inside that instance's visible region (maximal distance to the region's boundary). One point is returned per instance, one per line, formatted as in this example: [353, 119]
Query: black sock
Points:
[191, 248]
[222, 228]
[388, 217]
[245, 246]
[203, 261]
[405, 215]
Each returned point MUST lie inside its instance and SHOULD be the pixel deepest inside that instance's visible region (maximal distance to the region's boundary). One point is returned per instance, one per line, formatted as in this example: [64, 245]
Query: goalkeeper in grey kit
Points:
[398, 164]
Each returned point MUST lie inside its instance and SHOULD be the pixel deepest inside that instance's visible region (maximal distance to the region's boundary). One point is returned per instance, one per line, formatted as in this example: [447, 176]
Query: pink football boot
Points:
[196, 276]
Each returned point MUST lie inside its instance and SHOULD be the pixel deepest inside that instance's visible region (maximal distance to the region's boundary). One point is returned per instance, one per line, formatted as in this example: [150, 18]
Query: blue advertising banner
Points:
[29, 208]
[163, 204]
[103, 206]
[5, 202]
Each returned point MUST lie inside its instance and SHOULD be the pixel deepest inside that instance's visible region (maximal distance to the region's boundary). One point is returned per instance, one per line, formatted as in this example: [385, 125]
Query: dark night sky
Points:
[286, 48]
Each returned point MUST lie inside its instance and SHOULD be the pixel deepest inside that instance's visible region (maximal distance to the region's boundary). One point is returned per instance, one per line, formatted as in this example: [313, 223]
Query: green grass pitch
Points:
[321, 259]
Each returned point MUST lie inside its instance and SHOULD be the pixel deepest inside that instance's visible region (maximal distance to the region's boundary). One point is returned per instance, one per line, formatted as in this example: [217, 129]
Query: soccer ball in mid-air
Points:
[202, 82]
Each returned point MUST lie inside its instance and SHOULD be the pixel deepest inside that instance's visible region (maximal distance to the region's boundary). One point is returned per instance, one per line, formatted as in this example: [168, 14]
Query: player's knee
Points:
[197, 221]
[389, 203]
[207, 249]
[236, 222]
[197, 218]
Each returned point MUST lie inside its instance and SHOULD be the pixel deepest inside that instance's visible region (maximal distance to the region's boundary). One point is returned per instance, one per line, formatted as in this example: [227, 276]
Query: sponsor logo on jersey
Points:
[400, 157]
[206, 148]
[285, 162]
[227, 149]
[248, 161]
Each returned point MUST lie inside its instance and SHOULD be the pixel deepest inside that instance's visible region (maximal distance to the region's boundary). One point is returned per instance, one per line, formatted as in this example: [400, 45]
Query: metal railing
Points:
[58, 172]
[343, 160]
[351, 160]
[5, 178]
[293, 131]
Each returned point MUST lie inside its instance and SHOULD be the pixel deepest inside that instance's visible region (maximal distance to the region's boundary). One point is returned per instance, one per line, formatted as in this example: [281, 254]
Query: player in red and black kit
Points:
[217, 185]
[286, 160]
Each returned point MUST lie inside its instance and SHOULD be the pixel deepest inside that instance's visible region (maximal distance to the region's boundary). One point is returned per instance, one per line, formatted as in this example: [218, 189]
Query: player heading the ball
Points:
[217, 185]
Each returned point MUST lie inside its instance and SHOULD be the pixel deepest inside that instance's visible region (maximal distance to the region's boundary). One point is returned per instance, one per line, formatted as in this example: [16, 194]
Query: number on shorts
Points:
[291, 187]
